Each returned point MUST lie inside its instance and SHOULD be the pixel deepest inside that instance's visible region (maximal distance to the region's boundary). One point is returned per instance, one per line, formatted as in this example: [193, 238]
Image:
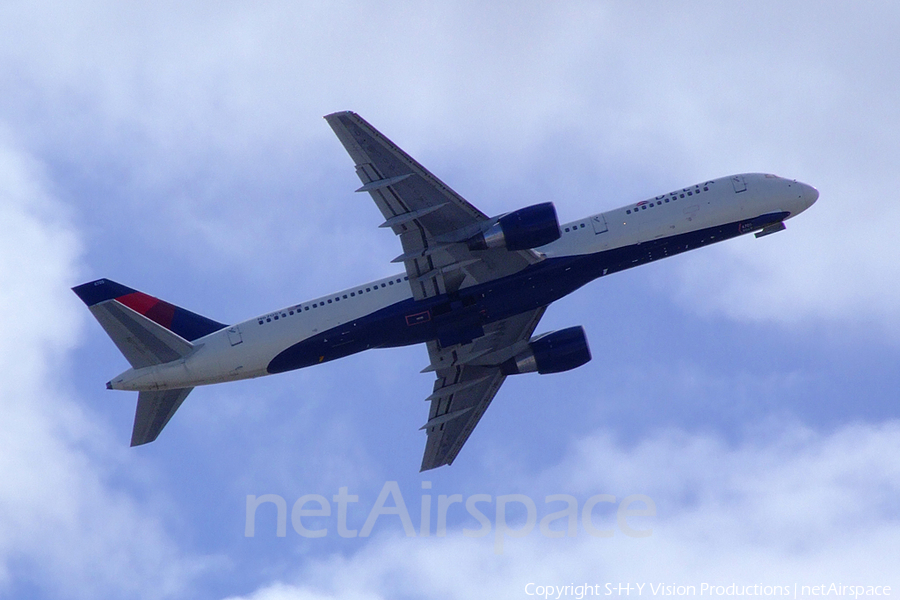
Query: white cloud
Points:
[63, 527]
[793, 507]
[804, 103]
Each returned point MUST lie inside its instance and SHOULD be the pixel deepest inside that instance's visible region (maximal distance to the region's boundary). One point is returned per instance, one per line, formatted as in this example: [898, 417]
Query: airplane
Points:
[474, 289]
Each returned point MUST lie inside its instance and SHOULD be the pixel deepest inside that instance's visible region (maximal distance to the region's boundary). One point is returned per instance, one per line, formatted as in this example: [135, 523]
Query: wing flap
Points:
[404, 218]
[378, 160]
[409, 196]
[464, 389]
[381, 183]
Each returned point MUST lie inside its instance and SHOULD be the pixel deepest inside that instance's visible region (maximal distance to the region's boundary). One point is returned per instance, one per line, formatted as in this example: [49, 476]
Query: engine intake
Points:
[552, 352]
[522, 229]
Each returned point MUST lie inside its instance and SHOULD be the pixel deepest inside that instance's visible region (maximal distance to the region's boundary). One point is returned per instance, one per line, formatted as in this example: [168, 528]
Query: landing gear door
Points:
[599, 223]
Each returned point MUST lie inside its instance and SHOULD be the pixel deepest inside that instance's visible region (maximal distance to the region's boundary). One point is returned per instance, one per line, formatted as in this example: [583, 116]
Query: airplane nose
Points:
[810, 194]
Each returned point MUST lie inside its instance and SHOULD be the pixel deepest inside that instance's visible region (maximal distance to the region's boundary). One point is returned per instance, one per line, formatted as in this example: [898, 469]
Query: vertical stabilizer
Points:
[147, 331]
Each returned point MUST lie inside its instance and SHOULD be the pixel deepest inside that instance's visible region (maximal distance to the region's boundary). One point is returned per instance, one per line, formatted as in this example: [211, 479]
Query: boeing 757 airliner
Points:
[473, 292]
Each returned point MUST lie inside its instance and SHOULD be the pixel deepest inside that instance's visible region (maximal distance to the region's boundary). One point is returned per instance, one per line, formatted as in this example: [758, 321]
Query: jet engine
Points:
[522, 229]
[552, 352]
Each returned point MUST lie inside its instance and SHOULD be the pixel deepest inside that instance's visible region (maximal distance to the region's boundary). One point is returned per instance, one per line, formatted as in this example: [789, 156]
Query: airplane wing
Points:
[432, 220]
[467, 380]
[434, 224]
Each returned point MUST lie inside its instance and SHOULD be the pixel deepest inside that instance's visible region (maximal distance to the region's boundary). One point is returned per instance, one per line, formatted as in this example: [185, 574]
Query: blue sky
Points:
[748, 389]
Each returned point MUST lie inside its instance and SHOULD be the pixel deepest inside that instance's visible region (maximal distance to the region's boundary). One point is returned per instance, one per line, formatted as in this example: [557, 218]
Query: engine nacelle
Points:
[552, 352]
[522, 229]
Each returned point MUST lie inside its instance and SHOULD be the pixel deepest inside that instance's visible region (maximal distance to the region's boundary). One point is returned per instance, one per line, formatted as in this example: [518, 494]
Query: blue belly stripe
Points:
[458, 317]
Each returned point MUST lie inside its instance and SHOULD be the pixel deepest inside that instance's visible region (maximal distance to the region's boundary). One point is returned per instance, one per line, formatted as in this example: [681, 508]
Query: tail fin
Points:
[148, 331]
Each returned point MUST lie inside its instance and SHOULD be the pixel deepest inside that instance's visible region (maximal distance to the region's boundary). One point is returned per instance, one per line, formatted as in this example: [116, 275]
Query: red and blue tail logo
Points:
[186, 324]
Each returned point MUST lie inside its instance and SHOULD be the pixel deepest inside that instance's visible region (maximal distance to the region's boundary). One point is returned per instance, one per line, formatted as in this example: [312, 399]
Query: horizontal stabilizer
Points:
[140, 340]
[154, 409]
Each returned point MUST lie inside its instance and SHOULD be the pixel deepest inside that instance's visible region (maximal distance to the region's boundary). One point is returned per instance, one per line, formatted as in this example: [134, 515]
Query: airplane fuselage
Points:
[384, 313]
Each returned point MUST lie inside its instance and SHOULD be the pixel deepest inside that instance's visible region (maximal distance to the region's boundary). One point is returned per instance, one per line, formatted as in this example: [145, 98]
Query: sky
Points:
[744, 395]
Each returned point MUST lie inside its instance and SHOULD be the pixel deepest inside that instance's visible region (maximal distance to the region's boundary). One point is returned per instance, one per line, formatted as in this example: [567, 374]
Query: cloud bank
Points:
[65, 527]
[799, 507]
